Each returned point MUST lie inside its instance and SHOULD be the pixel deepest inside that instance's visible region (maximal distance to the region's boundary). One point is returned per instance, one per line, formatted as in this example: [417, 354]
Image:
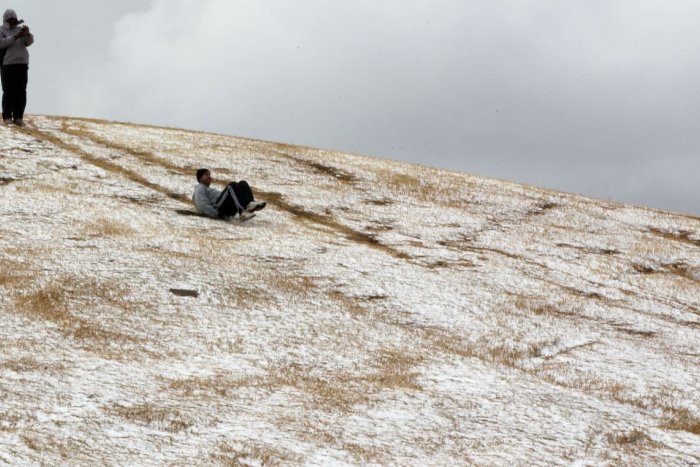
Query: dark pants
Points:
[14, 90]
[226, 204]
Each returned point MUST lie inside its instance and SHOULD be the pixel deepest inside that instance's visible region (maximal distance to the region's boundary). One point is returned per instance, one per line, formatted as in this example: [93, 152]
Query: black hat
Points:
[201, 172]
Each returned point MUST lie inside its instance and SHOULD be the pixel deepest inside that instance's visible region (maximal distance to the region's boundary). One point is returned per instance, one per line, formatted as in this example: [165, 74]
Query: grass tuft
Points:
[60, 303]
[683, 420]
[11, 272]
[395, 370]
[634, 440]
[107, 228]
[156, 417]
[328, 392]
[256, 454]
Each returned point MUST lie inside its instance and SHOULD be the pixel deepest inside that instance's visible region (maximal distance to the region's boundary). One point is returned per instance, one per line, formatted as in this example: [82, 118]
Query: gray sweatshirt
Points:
[205, 200]
[15, 49]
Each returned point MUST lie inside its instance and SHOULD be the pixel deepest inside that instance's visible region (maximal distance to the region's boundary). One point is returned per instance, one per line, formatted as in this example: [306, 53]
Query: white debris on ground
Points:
[375, 313]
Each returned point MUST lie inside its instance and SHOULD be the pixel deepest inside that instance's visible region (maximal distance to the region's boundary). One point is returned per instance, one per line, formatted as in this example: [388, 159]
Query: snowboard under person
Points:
[14, 40]
[237, 198]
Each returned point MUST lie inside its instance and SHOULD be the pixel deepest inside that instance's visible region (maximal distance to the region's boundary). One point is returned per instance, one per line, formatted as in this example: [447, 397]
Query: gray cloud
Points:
[598, 97]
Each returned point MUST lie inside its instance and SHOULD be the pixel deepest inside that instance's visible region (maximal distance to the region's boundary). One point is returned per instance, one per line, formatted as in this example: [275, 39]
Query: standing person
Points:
[14, 41]
[237, 198]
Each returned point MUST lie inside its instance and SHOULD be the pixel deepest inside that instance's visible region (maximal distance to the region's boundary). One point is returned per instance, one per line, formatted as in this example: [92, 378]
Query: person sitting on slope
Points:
[237, 198]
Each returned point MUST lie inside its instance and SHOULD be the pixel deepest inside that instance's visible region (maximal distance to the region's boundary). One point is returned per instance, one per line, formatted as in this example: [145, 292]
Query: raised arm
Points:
[29, 38]
[23, 34]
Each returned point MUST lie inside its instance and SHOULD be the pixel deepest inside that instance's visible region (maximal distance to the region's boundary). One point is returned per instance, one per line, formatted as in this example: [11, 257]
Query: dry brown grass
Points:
[409, 185]
[107, 228]
[632, 441]
[333, 172]
[660, 400]
[217, 385]
[683, 236]
[64, 447]
[548, 309]
[348, 304]
[587, 383]
[149, 415]
[45, 188]
[285, 149]
[490, 349]
[267, 456]
[427, 190]
[511, 353]
[394, 370]
[682, 270]
[48, 304]
[54, 303]
[679, 419]
[364, 454]
[684, 420]
[32, 443]
[542, 306]
[22, 365]
[12, 272]
[328, 392]
[450, 344]
[293, 284]
[174, 255]
[12, 421]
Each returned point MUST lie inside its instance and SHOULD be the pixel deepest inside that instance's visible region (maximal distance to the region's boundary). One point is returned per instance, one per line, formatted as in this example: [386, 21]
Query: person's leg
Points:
[20, 103]
[15, 91]
[243, 193]
[6, 109]
[246, 198]
[227, 207]
[227, 203]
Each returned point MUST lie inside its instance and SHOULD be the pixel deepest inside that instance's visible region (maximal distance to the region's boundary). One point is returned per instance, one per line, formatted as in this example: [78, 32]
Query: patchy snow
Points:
[375, 313]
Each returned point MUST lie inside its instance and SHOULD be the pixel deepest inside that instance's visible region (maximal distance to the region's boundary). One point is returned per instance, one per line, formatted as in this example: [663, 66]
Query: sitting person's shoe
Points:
[18, 122]
[255, 206]
[246, 216]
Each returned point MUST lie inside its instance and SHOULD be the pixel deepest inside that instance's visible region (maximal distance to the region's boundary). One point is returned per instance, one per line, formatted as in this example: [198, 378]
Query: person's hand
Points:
[23, 32]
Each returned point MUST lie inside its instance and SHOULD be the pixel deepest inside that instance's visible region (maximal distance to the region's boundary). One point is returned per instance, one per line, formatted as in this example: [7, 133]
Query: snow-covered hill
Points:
[374, 313]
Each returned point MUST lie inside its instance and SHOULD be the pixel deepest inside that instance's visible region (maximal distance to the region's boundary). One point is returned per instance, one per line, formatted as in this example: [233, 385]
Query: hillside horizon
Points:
[303, 146]
[376, 312]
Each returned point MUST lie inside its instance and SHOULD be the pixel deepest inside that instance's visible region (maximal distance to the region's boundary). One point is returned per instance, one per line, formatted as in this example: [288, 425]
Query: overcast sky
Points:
[596, 97]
